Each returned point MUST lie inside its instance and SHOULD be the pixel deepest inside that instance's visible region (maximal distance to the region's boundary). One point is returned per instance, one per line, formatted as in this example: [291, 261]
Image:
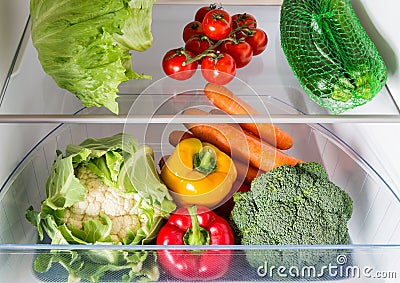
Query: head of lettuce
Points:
[84, 45]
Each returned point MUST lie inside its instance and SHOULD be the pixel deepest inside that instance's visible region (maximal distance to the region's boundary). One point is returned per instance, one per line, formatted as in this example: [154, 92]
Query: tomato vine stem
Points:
[211, 50]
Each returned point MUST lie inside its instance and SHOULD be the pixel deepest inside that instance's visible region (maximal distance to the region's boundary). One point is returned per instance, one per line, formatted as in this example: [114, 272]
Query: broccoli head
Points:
[291, 205]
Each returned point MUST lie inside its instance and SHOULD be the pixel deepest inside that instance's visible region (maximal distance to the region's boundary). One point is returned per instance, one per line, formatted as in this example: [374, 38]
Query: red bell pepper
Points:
[195, 225]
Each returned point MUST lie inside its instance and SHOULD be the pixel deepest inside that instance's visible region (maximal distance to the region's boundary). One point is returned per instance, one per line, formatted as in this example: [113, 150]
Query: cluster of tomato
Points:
[217, 42]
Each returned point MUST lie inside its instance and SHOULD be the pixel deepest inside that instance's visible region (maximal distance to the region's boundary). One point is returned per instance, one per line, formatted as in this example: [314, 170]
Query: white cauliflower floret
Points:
[121, 208]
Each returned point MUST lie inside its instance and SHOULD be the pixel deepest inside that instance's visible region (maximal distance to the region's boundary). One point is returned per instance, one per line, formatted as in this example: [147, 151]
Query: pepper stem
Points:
[196, 235]
[205, 161]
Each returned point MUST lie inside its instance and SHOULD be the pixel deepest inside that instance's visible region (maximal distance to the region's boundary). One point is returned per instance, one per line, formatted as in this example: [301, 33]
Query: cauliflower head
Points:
[121, 208]
[103, 191]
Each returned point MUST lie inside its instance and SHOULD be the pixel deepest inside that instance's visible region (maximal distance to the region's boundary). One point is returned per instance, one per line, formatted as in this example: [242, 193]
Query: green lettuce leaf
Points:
[133, 37]
[84, 45]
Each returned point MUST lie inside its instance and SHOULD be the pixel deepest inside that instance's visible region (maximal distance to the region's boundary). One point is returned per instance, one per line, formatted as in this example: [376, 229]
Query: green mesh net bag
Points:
[330, 53]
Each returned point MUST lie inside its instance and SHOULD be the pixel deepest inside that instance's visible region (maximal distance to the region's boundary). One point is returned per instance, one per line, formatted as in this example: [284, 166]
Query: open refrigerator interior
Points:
[39, 118]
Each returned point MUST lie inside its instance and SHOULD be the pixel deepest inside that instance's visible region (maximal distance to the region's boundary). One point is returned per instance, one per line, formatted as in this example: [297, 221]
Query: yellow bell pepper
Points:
[198, 173]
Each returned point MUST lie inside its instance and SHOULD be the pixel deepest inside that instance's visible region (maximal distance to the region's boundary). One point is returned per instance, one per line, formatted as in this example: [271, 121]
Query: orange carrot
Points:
[220, 112]
[227, 101]
[238, 144]
[246, 172]
[162, 161]
[176, 136]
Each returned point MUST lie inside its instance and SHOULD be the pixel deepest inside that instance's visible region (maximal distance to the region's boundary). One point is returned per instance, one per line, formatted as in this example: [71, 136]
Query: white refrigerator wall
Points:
[13, 16]
[378, 143]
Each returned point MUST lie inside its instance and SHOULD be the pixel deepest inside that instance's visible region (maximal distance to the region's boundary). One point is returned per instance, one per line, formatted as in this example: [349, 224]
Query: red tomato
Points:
[192, 29]
[217, 24]
[173, 64]
[257, 39]
[240, 51]
[198, 44]
[199, 16]
[244, 19]
[218, 68]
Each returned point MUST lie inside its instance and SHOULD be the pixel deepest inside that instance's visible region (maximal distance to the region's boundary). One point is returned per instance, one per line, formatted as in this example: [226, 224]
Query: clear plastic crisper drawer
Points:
[374, 228]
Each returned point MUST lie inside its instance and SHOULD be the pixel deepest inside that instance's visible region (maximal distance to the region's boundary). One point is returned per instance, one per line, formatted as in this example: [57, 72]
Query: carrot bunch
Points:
[255, 147]
[228, 102]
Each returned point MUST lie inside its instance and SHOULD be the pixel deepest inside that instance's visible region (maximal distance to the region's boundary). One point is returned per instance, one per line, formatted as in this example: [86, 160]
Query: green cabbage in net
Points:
[327, 48]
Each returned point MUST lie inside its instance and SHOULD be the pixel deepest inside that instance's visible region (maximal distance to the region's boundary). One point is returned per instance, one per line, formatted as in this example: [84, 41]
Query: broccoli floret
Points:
[291, 205]
[243, 208]
[314, 168]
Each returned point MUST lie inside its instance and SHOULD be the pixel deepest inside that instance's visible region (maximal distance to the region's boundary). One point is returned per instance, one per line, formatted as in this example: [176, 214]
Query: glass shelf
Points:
[30, 95]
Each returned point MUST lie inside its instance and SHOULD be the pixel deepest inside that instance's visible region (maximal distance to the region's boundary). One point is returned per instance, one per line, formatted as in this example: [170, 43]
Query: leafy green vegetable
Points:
[291, 205]
[94, 265]
[84, 45]
[105, 192]
[330, 53]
